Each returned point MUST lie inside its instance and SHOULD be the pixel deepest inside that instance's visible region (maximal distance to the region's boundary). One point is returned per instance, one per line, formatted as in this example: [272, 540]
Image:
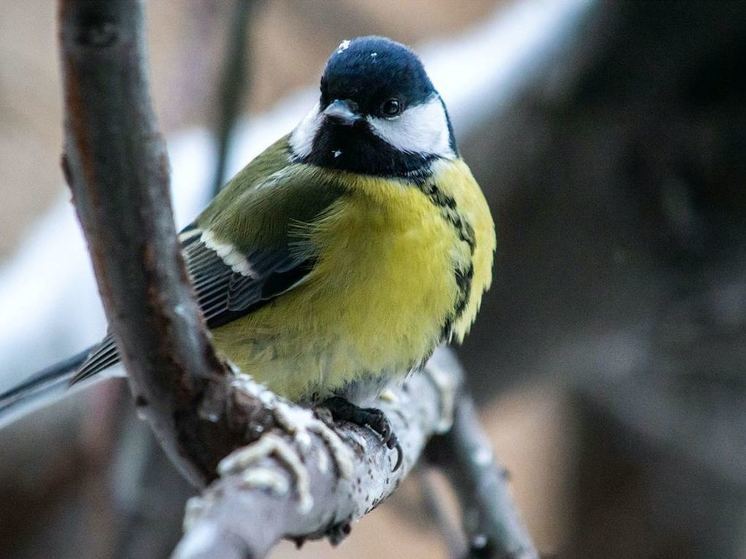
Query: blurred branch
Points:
[233, 85]
[491, 521]
[433, 504]
[148, 495]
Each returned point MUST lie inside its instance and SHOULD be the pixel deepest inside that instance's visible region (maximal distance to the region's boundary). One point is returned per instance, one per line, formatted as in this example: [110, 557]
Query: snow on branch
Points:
[308, 482]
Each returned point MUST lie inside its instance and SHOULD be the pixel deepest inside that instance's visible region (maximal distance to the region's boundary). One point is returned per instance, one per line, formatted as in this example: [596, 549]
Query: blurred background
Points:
[608, 359]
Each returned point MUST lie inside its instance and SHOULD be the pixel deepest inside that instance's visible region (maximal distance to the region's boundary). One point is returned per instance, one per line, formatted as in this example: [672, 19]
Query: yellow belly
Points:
[375, 303]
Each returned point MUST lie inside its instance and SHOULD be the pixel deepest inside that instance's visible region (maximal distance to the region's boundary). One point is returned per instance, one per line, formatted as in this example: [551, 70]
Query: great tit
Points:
[346, 252]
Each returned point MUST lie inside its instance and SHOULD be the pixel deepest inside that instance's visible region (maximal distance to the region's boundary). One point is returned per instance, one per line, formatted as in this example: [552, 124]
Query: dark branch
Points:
[117, 168]
[233, 85]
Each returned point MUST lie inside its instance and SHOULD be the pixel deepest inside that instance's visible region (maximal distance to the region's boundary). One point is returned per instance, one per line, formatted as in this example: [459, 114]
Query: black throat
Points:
[357, 149]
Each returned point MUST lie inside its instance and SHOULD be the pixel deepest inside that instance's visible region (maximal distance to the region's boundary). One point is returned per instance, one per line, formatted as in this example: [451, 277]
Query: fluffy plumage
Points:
[349, 249]
[397, 269]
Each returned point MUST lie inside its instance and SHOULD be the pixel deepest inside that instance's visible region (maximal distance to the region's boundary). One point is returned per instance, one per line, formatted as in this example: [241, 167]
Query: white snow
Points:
[270, 444]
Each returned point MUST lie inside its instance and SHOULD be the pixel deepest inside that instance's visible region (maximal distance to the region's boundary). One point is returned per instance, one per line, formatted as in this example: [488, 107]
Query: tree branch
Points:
[117, 168]
[435, 505]
[252, 505]
[491, 521]
[233, 85]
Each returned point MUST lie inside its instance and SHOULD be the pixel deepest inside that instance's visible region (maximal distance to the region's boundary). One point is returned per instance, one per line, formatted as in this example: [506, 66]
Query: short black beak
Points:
[342, 111]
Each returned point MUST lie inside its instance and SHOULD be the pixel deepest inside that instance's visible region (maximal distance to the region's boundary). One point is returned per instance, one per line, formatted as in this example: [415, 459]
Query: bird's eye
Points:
[392, 107]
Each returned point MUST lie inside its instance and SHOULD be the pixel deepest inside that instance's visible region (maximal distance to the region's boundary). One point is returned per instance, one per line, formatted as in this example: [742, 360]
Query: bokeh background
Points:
[609, 356]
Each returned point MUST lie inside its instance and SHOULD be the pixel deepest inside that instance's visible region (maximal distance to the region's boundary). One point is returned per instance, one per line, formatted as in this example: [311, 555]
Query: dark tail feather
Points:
[41, 388]
[98, 358]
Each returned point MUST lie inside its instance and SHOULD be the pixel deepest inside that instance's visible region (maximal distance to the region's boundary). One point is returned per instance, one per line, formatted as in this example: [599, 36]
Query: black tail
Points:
[41, 388]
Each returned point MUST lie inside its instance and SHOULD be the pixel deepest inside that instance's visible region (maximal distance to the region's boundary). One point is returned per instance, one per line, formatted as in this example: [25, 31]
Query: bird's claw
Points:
[373, 418]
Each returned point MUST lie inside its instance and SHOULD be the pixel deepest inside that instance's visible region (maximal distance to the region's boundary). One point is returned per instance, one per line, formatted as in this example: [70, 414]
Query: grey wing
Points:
[225, 291]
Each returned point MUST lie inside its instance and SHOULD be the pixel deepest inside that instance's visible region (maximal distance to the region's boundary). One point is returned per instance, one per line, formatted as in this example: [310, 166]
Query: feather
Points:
[238, 268]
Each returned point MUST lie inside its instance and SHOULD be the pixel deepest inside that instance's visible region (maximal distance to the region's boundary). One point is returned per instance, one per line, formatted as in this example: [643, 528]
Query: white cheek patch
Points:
[301, 139]
[419, 129]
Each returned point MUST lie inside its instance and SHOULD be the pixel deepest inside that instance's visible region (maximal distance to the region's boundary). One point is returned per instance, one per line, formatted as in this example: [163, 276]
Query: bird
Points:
[341, 256]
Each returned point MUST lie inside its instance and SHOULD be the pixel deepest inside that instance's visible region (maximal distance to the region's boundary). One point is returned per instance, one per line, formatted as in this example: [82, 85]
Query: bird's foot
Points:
[342, 409]
[300, 423]
[338, 532]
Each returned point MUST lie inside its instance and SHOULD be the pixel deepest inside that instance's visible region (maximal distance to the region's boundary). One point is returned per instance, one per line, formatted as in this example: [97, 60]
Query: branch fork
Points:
[306, 478]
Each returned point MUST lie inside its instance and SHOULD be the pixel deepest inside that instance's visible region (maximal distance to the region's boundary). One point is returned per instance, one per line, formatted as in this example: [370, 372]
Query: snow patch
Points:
[239, 462]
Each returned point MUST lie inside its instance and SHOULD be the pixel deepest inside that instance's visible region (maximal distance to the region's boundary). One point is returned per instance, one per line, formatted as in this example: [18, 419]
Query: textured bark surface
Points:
[251, 507]
[117, 168]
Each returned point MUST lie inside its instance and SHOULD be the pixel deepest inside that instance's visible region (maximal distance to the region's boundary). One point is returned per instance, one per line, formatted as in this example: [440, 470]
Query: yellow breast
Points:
[381, 293]
[457, 180]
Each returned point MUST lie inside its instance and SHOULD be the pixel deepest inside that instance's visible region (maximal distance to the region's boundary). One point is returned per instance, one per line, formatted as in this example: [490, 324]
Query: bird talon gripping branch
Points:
[298, 422]
[374, 418]
[301, 422]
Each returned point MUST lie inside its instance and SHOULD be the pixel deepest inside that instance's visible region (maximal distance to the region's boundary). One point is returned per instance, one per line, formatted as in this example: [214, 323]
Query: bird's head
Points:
[378, 113]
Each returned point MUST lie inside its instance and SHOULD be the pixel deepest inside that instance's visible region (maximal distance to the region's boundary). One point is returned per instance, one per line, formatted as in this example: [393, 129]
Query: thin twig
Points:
[432, 501]
[233, 85]
[491, 521]
[147, 493]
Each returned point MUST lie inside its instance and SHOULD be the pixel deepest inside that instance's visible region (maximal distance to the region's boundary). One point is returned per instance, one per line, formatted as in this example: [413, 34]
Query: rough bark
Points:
[117, 168]
[263, 498]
